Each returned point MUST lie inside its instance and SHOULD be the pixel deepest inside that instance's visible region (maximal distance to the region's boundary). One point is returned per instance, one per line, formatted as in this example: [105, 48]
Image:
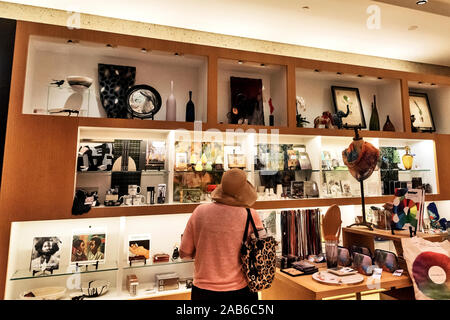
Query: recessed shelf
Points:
[65, 271]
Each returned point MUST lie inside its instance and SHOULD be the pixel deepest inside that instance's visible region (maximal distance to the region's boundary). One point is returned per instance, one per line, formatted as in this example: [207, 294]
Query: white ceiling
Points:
[329, 24]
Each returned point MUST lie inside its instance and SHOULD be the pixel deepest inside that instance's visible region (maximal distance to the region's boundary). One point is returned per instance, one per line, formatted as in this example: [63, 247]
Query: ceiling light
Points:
[433, 84]
[305, 8]
[413, 28]
[316, 70]
[360, 75]
[339, 73]
[143, 50]
[420, 2]
[240, 62]
[262, 65]
[380, 78]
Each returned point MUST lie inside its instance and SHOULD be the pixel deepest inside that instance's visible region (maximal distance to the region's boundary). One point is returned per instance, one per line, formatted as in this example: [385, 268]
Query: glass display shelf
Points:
[269, 172]
[108, 173]
[157, 264]
[65, 271]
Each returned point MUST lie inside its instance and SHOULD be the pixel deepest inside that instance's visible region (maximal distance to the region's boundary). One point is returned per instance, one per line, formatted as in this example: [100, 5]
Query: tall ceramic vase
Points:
[190, 109]
[374, 123]
[171, 106]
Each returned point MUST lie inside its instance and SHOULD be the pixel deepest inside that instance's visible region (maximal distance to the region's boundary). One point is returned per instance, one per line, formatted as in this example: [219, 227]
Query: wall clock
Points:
[143, 101]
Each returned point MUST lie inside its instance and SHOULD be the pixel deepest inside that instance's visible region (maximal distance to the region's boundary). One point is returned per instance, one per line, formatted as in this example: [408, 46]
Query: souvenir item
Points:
[388, 126]
[83, 201]
[258, 257]
[190, 195]
[359, 249]
[324, 119]
[297, 191]
[386, 260]
[362, 263]
[332, 279]
[79, 82]
[155, 155]
[419, 107]
[190, 109]
[348, 101]
[293, 163]
[374, 123]
[435, 221]
[88, 246]
[171, 105]
[45, 293]
[45, 254]
[407, 158]
[361, 158]
[161, 193]
[271, 116]
[95, 288]
[143, 101]
[124, 162]
[139, 247]
[408, 208]
[95, 157]
[336, 118]
[161, 257]
[132, 283]
[342, 271]
[246, 101]
[311, 189]
[150, 195]
[236, 161]
[167, 281]
[114, 82]
[292, 272]
[344, 257]
[428, 265]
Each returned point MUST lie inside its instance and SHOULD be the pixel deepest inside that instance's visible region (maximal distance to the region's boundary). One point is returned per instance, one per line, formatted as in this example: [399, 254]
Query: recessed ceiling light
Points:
[316, 70]
[143, 50]
[420, 2]
[433, 84]
[262, 65]
[360, 75]
[306, 8]
[413, 28]
[240, 62]
[339, 73]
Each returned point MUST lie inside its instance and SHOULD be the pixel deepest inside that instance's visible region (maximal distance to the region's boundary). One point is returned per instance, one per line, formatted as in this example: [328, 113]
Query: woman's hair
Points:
[38, 246]
[76, 243]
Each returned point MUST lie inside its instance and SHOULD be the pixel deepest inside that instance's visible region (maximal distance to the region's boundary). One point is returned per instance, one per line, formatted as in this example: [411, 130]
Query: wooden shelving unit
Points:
[40, 150]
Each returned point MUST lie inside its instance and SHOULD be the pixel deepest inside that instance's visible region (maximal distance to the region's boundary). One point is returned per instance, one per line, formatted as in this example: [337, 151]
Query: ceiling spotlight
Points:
[433, 84]
[143, 50]
[411, 28]
[109, 45]
[420, 82]
[339, 73]
[380, 78]
[360, 75]
[70, 41]
[262, 65]
[421, 2]
[316, 70]
[306, 8]
[241, 62]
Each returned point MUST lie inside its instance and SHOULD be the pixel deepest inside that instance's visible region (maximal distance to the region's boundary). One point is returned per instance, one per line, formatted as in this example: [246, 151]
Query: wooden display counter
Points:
[285, 287]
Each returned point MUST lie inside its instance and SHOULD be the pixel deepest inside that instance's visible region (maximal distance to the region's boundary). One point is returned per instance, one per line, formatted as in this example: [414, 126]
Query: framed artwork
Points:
[88, 246]
[246, 101]
[45, 254]
[139, 247]
[419, 107]
[343, 96]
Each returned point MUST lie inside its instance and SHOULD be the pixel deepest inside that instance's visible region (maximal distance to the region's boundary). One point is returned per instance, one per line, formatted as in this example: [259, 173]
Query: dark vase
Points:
[374, 123]
[388, 126]
[190, 109]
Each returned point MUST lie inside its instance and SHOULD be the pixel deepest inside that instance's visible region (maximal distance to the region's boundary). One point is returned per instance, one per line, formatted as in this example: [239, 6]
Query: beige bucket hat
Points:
[235, 190]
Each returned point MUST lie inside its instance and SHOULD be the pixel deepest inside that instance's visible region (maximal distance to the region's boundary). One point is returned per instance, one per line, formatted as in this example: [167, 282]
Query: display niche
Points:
[147, 167]
[67, 77]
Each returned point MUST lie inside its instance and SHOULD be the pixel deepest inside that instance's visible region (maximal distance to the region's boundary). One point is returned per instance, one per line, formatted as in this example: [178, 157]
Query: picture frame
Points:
[88, 246]
[46, 253]
[356, 115]
[419, 107]
[139, 246]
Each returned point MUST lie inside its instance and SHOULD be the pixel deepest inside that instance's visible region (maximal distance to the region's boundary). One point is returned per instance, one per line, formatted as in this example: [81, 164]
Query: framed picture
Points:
[419, 107]
[343, 96]
[88, 246]
[139, 247]
[45, 254]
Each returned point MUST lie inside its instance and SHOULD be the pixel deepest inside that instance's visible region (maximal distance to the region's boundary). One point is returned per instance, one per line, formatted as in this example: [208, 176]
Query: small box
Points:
[167, 281]
[132, 283]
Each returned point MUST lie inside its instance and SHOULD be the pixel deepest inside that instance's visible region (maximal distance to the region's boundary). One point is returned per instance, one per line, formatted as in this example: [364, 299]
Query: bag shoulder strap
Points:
[249, 220]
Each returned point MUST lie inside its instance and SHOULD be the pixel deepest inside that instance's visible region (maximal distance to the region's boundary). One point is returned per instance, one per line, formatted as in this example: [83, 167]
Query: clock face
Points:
[143, 101]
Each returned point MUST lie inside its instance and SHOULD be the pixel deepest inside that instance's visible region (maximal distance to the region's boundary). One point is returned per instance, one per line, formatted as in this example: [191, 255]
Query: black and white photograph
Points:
[45, 254]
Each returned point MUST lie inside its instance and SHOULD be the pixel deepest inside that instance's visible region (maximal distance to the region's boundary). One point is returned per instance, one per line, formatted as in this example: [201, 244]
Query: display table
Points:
[362, 236]
[285, 287]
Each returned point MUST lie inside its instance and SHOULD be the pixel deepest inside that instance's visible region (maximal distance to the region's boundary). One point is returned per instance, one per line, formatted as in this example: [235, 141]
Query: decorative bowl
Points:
[79, 82]
[95, 288]
[44, 293]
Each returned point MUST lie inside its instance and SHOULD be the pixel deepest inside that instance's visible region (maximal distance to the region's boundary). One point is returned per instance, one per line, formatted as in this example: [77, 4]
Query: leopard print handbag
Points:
[258, 257]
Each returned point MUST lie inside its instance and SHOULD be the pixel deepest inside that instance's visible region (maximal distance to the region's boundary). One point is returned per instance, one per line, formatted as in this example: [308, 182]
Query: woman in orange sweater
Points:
[213, 236]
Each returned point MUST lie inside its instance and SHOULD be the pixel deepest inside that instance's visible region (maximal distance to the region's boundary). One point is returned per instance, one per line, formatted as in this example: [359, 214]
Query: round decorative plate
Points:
[329, 278]
[143, 101]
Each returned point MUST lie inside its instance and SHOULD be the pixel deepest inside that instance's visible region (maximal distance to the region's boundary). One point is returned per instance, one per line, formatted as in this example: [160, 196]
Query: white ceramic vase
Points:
[171, 106]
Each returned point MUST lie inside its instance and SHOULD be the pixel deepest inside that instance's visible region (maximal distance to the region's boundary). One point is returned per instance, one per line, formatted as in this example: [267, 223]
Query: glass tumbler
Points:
[331, 253]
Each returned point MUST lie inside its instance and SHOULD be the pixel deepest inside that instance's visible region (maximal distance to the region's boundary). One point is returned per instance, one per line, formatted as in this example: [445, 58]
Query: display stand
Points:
[364, 223]
[43, 272]
[77, 266]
